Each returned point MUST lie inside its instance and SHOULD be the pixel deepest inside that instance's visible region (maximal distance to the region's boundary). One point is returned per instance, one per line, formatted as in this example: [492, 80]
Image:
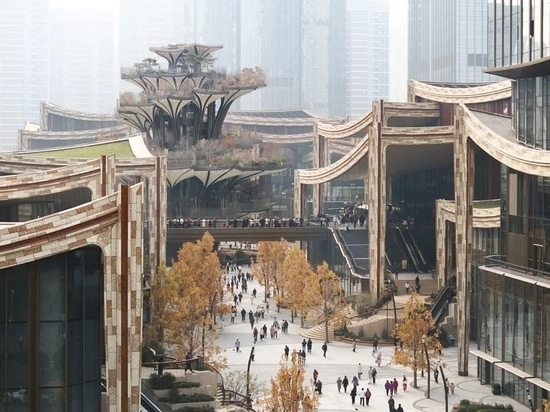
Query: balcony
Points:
[498, 264]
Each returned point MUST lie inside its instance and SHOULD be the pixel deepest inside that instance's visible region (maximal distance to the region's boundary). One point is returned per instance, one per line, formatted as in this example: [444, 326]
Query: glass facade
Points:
[51, 333]
[514, 320]
[518, 31]
[532, 98]
[448, 41]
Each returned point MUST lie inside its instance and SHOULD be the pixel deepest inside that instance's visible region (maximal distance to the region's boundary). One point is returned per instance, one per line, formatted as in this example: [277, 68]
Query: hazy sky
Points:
[83, 4]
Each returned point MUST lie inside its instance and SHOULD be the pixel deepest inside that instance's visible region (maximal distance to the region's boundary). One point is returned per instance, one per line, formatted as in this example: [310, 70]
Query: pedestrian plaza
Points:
[342, 361]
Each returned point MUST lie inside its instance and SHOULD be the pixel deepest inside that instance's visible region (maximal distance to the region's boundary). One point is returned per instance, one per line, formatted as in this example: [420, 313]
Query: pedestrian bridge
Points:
[175, 237]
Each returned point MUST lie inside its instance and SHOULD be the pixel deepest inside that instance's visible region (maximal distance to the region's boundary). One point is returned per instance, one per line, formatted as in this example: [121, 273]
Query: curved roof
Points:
[51, 108]
[210, 176]
[461, 93]
[130, 147]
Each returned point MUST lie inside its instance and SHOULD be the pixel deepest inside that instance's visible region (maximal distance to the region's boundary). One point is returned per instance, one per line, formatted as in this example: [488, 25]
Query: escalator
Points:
[408, 247]
[396, 251]
[441, 303]
[147, 405]
[414, 246]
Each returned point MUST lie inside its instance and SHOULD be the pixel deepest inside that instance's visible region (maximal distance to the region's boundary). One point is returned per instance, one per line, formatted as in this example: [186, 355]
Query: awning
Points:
[485, 356]
[513, 370]
[540, 383]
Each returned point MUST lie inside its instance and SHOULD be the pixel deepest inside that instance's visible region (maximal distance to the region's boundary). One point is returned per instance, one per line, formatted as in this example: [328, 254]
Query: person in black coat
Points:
[353, 394]
[345, 383]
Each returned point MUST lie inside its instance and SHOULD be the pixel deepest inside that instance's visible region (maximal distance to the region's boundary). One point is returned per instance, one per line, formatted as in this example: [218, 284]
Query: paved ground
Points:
[341, 360]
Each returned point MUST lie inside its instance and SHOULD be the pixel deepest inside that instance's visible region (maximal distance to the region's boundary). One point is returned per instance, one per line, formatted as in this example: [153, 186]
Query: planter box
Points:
[176, 406]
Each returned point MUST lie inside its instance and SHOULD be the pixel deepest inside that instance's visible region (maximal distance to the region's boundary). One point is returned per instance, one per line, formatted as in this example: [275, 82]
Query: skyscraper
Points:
[299, 44]
[23, 66]
[81, 62]
[368, 54]
[143, 24]
[448, 41]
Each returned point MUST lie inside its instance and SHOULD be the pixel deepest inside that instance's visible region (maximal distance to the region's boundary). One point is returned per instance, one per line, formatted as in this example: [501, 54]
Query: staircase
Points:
[318, 333]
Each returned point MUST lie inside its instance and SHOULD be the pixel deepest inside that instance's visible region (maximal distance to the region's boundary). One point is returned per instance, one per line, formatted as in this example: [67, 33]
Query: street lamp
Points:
[203, 330]
[427, 361]
[445, 387]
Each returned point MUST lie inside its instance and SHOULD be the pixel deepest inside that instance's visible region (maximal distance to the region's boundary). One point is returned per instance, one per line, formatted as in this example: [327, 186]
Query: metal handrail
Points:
[500, 260]
[350, 263]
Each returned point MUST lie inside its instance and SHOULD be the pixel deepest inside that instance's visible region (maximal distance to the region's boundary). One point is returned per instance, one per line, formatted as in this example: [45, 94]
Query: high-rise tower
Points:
[23, 66]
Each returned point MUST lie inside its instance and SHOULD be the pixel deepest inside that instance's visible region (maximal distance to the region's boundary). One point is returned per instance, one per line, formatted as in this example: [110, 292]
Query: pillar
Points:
[157, 214]
[299, 196]
[464, 180]
[376, 201]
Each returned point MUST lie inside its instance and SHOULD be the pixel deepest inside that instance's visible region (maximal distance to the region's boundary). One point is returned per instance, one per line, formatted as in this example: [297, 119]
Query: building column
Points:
[440, 244]
[299, 196]
[123, 271]
[108, 177]
[320, 149]
[376, 201]
[464, 181]
[157, 214]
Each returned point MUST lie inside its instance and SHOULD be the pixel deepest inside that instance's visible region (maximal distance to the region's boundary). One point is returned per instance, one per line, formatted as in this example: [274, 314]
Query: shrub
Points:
[361, 334]
[196, 409]
[185, 384]
[497, 389]
[164, 381]
[185, 398]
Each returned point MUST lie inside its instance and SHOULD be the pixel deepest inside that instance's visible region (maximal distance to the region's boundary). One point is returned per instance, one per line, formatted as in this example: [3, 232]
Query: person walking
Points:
[362, 397]
[436, 375]
[395, 385]
[287, 351]
[387, 387]
[304, 345]
[237, 345]
[369, 373]
[368, 394]
[324, 348]
[391, 404]
[379, 358]
[404, 383]
[359, 370]
[188, 364]
[452, 386]
[243, 314]
[345, 384]
[353, 394]
[374, 373]
[309, 345]
[375, 344]
[354, 345]
[407, 286]
[339, 384]
[315, 375]
[399, 408]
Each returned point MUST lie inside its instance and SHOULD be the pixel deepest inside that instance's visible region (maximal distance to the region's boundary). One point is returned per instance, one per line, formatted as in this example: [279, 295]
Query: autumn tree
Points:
[288, 392]
[294, 276]
[271, 256]
[237, 381]
[186, 298]
[328, 291]
[415, 329]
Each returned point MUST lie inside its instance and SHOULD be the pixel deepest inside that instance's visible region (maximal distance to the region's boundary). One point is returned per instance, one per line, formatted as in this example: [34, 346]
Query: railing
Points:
[356, 270]
[441, 301]
[150, 402]
[229, 397]
[500, 260]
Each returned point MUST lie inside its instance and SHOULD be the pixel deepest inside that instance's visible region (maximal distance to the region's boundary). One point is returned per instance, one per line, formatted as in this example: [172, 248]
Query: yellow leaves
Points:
[271, 256]
[288, 393]
[187, 296]
[294, 276]
[415, 329]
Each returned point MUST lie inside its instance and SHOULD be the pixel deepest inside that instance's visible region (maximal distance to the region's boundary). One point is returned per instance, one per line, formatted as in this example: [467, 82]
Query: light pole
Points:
[427, 362]
[203, 330]
[445, 387]
[248, 397]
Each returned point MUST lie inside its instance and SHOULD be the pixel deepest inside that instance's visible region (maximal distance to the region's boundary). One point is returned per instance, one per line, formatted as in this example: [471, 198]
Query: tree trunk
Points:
[326, 329]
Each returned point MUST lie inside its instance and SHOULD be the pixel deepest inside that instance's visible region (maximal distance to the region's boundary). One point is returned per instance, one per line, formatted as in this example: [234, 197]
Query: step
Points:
[318, 333]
